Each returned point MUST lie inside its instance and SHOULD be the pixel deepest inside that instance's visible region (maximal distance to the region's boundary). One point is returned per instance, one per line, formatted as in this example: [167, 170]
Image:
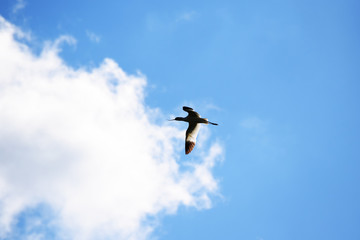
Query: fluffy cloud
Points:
[84, 143]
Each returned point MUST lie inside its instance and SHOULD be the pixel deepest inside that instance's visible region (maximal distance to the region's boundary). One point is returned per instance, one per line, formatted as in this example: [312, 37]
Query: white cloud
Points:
[93, 37]
[20, 4]
[85, 143]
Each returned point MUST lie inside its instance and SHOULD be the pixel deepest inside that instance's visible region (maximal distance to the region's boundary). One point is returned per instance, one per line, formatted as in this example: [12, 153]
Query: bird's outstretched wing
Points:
[191, 134]
[191, 112]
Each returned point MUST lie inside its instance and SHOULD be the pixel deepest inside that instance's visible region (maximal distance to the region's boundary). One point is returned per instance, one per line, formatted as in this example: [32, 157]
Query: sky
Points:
[87, 87]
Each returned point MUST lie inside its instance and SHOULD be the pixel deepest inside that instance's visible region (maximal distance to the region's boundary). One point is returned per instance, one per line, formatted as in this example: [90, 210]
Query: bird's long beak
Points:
[171, 119]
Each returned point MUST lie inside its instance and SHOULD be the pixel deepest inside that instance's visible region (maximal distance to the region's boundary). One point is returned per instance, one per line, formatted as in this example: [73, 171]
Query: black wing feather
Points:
[191, 111]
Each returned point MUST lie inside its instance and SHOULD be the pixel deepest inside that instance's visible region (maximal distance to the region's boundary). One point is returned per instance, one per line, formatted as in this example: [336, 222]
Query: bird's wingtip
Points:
[185, 108]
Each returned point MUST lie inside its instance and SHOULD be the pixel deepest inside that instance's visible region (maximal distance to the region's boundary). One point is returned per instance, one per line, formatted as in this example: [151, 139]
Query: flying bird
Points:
[194, 120]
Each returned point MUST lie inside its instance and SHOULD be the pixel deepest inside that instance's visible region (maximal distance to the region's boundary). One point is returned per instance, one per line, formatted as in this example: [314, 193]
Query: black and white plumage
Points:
[194, 120]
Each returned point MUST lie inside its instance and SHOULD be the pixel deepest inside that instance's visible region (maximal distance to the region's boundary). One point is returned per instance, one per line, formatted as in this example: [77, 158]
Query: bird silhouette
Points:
[194, 120]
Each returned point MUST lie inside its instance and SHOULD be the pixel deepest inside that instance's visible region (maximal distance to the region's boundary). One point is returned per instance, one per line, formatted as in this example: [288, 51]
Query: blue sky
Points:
[280, 77]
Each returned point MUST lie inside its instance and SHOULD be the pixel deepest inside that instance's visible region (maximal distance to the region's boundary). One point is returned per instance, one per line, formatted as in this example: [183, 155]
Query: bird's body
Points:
[194, 120]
